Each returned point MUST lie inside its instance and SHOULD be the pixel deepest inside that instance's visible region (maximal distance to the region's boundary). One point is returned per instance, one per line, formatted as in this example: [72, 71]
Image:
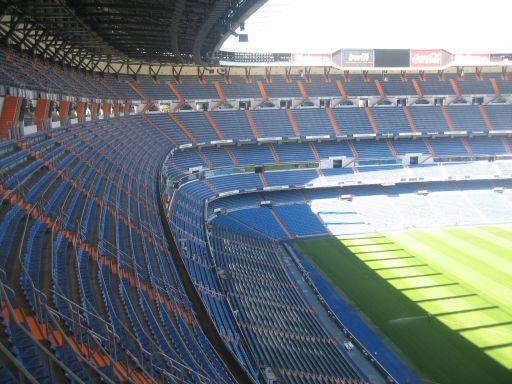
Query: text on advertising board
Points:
[357, 58]
[425, 58]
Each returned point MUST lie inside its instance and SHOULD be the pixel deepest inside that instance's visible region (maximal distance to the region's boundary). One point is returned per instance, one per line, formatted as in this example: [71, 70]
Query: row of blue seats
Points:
[188, 227]
[298, 217]
[25, 72]
[269, 123]
[22, 71]
[191, 88]
[186, 223]
[124, 154]
[271, 325]
[246, 155]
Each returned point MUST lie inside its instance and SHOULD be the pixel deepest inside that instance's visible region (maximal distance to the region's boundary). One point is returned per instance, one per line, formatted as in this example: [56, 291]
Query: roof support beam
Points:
[154, 73]
[26, 33]
[177, 72]
[179, 7]
[129, 68]
[93, 64]
[38, 39]
[214, 14]
[15, 21]
[91, 29]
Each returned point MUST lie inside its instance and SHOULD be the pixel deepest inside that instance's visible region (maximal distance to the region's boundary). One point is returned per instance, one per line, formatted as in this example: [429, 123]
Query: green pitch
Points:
[441, 298]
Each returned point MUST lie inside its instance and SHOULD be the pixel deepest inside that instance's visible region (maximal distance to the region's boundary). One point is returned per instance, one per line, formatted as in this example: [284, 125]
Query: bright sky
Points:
[324, 26]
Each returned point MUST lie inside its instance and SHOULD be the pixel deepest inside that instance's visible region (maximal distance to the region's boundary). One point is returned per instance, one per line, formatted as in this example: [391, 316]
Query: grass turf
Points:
[462, 277]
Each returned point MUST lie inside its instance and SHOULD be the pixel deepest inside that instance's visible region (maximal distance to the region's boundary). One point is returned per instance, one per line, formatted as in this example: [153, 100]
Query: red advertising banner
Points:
[311, 57]
[471, 58]
[425, 58]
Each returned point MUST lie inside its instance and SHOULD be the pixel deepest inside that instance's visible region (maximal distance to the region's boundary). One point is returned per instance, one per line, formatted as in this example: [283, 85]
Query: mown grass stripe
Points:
[483, 252]
[454, 262]
[458, 276]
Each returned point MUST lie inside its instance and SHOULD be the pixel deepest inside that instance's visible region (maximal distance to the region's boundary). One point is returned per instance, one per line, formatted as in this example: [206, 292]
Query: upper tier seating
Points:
[390, 119]
[22, 71]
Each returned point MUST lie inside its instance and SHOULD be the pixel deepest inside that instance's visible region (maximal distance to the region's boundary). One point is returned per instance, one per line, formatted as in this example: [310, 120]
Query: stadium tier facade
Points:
[147, 220]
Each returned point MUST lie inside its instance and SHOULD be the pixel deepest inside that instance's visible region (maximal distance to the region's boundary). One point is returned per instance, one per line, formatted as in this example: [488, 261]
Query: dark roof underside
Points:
[141, 31]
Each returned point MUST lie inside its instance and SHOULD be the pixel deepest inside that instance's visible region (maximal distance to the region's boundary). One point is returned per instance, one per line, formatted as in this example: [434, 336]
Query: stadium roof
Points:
[84, 32]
